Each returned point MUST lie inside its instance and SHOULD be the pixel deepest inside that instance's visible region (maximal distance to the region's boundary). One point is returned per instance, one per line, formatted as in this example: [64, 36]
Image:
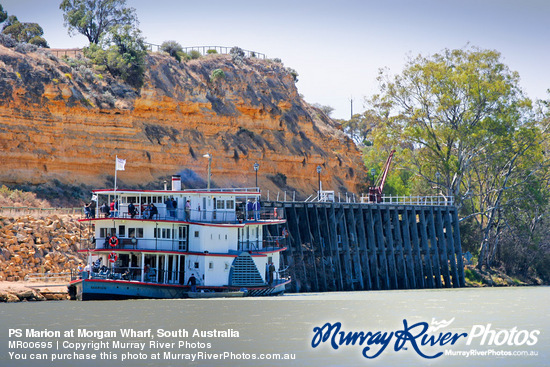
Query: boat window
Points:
[226, 266]
[106, 232]
[197, 234]
[135, 232]
[196, 265]
[122, 231]
[220, 204]
[211, 265]
[230, 204]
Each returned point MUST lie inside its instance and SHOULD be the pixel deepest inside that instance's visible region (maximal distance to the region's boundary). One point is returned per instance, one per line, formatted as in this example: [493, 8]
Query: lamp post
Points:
[256, 168]
[319, 169]
[209, 156]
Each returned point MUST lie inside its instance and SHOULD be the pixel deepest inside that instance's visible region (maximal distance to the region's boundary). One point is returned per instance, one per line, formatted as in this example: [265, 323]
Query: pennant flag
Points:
[120, 163]
[94, 197]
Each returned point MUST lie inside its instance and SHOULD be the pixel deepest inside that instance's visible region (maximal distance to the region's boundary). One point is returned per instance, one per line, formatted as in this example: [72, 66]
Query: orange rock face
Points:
[68, 123]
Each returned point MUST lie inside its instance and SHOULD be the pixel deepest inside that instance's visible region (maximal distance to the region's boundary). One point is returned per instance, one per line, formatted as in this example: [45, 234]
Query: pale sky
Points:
[337, 47]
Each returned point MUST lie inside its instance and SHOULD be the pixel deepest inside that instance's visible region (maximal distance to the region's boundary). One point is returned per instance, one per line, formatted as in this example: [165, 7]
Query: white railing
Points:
[226, 189]
[413, 200]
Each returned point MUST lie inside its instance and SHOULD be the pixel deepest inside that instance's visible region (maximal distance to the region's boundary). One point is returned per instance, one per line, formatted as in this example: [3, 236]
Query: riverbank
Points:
[33, 291]
[495, 278]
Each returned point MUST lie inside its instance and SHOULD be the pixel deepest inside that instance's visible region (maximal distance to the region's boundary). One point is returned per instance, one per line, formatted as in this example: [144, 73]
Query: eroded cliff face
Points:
[68, 123]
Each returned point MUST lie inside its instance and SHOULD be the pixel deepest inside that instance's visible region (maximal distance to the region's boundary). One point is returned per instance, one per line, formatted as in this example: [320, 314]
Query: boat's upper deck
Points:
[228, 205]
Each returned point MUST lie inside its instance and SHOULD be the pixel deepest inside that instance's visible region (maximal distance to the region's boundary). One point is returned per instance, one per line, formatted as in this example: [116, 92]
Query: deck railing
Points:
[413, 200]
[196, 215]
[175, 244]
[26, 210]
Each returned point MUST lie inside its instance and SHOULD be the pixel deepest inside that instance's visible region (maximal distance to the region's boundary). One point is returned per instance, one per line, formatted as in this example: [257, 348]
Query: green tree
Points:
[3, 14]
[327, 110]
[463, 127]
[122, 53]
[94, 18]
[24, 32]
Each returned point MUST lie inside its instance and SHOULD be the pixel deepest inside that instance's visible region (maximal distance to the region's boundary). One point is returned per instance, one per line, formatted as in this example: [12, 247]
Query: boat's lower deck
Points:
[111, 289]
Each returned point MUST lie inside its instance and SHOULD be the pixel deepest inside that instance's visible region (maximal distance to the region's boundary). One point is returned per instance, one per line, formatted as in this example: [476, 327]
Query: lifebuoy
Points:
[113, 257]
[113, 241]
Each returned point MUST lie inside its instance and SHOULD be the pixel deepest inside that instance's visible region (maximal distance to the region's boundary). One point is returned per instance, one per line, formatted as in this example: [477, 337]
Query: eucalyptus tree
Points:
[3, 14]
[464, 126]
[94, 18]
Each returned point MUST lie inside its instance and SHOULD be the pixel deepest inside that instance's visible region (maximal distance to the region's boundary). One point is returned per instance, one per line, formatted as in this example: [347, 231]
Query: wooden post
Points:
[334, 243]
[316, 230]
[434, 247]
[354, 246]
[391, 250]
[379, 231]
[372, 248]
[427, 254]
[442, 247]
[418, 266]
[341, 222]
[364, 253]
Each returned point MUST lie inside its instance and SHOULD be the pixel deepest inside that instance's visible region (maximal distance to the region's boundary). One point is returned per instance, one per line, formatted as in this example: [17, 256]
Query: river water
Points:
[477, 327]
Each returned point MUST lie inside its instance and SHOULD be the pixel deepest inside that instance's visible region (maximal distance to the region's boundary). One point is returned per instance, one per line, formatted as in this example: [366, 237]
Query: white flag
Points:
[120, 164]
[94, 197]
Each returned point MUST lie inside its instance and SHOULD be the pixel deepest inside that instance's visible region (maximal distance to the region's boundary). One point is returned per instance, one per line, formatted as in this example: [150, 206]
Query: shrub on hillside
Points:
[194, 54]
[172, 48]
[7, 41]
[237, 55]
[217, 74]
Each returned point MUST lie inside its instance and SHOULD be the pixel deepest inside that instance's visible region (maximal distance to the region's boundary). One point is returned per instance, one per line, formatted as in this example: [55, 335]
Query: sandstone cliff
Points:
[65, 121]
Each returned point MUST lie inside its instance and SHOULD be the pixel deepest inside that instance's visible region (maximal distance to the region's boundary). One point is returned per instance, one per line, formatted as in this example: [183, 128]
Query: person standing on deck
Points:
[193, 281]
[257, 208]
[271, 271]
[174, 207]
[188, 210]
[168, 203]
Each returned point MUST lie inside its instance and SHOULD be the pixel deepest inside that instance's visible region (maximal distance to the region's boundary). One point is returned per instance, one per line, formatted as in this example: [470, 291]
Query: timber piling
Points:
[355, 246]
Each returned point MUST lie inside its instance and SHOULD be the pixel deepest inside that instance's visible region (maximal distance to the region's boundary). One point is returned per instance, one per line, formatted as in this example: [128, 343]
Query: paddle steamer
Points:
[182, 244]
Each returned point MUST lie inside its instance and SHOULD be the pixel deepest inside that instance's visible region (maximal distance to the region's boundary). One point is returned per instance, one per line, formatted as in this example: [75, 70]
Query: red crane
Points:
[375, 192]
